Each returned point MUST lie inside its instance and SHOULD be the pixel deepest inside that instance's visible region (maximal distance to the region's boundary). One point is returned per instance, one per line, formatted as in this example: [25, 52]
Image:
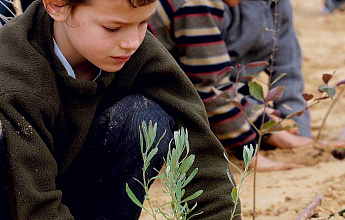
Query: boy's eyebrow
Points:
[123, 22]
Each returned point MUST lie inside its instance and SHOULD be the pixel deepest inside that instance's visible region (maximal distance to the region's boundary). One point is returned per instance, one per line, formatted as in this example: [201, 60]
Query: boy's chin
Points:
[112, 68]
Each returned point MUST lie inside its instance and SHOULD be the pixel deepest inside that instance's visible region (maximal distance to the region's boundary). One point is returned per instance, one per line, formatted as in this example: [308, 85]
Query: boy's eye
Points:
[111, 29]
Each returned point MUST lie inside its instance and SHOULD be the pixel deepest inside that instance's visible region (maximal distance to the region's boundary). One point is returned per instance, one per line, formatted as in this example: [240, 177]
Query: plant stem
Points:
[236, 95]
[328, 112]
[256, 162]
[265, 103]
[153, 214]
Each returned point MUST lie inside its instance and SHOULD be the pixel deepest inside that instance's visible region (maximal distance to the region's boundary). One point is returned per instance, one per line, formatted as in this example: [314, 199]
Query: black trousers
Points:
[94, 186]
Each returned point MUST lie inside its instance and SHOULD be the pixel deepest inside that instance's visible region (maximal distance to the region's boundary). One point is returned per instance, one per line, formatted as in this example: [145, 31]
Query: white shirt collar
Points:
[65, 62]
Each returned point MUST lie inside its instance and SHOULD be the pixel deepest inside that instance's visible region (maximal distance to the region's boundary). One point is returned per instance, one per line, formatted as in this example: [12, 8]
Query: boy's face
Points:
[105, 33]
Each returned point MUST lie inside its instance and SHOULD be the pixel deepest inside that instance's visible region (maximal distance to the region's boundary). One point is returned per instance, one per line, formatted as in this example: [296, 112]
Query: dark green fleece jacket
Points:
[47, 114]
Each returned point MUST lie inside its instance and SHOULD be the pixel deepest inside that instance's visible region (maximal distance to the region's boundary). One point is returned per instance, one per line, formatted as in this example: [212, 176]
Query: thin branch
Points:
[265, 103]
[328, 112]
[307, 212]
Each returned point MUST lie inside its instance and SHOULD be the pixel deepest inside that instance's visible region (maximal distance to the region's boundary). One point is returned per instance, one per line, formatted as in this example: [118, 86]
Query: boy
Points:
[77, 79]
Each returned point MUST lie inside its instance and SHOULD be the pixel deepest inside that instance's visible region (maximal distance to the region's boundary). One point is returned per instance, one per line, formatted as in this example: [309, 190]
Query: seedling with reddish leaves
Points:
[330, 93]
[255, 89]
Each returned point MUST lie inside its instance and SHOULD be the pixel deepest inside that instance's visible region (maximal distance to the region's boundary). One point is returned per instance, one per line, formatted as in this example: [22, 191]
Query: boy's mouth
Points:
[121, 59]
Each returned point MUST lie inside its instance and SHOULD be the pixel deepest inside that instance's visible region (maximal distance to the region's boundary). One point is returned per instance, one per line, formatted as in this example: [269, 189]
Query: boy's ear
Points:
[57, 9]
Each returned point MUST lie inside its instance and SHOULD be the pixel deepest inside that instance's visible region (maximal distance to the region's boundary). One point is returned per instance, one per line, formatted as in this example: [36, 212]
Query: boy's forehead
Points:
[121, 11]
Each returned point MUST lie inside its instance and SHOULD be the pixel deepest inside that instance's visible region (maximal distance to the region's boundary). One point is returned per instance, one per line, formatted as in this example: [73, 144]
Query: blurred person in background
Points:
[207, 36]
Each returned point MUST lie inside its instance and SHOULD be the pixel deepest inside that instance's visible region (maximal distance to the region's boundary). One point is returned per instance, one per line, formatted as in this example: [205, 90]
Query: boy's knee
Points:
[134, 109]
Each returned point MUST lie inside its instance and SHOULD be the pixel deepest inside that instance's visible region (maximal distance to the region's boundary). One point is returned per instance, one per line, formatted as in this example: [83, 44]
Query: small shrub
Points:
[174, 177]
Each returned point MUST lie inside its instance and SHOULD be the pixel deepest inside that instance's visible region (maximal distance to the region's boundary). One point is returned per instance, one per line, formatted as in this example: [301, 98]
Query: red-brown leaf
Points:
[257, 64]
[307, 97]
[326, 78]
[225, 70]
[274, 94]
[276, 113]
[246, 77]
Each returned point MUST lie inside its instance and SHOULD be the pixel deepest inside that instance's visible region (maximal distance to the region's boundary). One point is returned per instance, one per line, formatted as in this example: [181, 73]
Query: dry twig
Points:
[307, 212]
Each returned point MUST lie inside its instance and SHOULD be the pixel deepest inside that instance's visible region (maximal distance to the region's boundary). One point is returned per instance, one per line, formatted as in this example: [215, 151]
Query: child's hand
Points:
[285, 122]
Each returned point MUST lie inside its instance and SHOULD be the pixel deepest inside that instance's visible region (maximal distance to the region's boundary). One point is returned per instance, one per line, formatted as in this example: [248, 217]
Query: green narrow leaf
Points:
[165, 131]
[227, 159]
[190, 177]
[229, 177]
[183, 191]
[234, 194]
[145, 134]
[134, 198]
[278, 78]
[255, 149]
[199, 213]
[152, 153]
[180, 181]
[187, 163]
[248, 173]
[194, 206]
[141, 141]
[256, 91]
[152, 134]
[245, 153]
[194, 196]
[186, 141]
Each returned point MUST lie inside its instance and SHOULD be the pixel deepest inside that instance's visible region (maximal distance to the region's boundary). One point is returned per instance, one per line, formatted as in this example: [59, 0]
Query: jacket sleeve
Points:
[288, 60]
[168, 86]
[33, 169]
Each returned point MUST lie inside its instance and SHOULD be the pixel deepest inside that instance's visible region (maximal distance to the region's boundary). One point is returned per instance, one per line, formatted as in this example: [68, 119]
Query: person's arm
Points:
[288, 60]
[33, 169]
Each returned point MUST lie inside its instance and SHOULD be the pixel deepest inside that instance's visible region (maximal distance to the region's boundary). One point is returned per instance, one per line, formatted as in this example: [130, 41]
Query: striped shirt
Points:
[190, 31]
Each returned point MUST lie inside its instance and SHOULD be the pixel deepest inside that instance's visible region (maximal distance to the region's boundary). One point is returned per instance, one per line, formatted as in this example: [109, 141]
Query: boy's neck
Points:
[86, 72]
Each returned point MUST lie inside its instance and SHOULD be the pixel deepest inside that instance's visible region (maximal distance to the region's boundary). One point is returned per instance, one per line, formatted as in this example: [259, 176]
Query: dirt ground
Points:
[284, 195]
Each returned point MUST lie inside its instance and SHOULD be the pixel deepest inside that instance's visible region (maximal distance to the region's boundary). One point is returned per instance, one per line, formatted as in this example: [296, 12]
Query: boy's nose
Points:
[131, 41]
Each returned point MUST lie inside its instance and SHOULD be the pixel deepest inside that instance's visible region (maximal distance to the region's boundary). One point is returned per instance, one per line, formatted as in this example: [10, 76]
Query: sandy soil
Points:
[285, 194]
